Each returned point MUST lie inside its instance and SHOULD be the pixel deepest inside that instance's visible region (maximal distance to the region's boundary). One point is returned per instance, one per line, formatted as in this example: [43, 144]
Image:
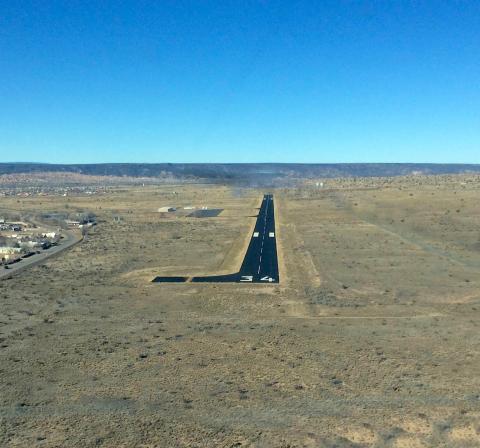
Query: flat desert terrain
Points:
[371, 339]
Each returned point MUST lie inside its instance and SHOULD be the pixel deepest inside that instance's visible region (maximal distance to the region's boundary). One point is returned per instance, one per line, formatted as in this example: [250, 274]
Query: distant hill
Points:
[242, 173]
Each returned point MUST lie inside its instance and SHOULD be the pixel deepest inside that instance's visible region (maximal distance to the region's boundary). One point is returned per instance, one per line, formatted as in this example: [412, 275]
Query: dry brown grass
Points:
[371, 339]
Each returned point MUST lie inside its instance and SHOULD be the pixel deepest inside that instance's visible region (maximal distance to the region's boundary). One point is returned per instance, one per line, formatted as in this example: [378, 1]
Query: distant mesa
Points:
[242, 174]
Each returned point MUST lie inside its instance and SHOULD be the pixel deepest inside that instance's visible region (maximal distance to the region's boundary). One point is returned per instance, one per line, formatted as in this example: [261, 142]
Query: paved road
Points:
[70, 238]
[260, 264]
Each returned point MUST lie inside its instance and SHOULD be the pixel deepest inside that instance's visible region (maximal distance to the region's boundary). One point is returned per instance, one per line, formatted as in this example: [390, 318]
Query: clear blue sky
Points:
[240, 81]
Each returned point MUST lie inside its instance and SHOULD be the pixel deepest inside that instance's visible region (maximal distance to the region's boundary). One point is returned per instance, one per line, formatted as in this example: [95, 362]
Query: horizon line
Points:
[237, 163]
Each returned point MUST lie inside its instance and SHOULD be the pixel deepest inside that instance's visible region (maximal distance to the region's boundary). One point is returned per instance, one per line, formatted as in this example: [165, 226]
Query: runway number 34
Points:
[267, 279]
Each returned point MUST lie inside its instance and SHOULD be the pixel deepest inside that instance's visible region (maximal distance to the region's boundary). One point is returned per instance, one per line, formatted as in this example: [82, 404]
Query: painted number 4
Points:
[267, 279]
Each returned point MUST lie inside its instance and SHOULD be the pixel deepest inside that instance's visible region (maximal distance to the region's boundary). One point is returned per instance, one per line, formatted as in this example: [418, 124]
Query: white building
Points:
[10, 250]
[166, 209]
[72, 223]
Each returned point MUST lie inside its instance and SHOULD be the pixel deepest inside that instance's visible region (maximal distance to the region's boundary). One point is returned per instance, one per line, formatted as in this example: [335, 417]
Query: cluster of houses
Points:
[50, 190]
[10, 226]
[15, 246]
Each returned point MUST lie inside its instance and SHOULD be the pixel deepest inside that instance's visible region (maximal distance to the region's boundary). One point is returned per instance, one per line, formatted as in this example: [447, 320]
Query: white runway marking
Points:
[255, 234]
[271, 234]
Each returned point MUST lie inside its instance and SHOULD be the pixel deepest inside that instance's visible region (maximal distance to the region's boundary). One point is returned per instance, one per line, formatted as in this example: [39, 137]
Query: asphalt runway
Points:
[260, 264]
